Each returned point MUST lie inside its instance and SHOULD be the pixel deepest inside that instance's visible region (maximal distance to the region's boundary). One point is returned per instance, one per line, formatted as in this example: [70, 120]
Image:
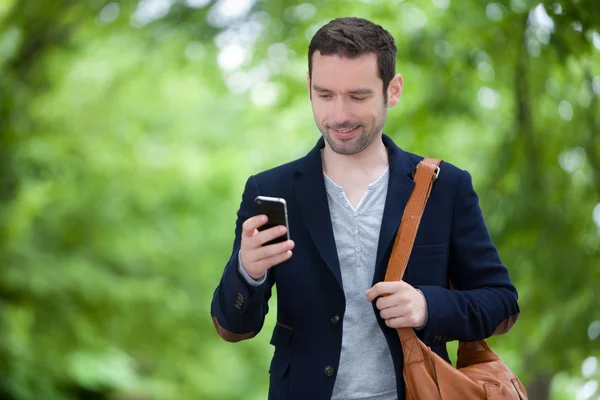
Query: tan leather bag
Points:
[479, 373]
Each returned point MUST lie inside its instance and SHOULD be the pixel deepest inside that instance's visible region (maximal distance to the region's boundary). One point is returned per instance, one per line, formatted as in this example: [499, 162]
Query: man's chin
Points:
[345, 149]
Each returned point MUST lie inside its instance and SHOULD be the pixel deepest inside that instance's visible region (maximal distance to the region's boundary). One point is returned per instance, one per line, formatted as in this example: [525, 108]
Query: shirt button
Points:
[356, 231]
[329, 370]
[346, 205]
[335, 319]
[358, 249]
[356, 214]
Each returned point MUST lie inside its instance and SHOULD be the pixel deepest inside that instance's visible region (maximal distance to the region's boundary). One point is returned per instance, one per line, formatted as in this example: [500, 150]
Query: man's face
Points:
[348, 101]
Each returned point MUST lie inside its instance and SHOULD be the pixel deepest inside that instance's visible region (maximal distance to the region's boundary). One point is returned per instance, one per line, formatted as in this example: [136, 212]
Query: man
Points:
[335, 335]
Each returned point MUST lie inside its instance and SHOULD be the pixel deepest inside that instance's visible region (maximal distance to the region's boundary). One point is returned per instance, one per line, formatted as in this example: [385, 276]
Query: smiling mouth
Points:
[347, 132]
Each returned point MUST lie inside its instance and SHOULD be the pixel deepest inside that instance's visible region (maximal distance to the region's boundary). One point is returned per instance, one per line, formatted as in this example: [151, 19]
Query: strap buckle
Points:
[436, 172]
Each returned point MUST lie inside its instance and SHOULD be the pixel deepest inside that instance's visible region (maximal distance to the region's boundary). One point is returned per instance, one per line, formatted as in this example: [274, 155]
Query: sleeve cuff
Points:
[426, 311]
[250, 280]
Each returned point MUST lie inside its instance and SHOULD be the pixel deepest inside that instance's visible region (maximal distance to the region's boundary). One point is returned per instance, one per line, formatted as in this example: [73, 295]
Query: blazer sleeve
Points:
[238, 308]
[484, 301]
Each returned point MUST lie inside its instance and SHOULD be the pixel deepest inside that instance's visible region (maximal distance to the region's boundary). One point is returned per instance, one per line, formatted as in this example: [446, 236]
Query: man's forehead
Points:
[329, 71]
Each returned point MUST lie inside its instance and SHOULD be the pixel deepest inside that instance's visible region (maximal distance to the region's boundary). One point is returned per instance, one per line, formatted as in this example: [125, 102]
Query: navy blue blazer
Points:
[452, 243]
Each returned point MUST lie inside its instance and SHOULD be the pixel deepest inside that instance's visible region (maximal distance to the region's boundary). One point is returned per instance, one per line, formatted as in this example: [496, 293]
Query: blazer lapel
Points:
[314, 207]
[400, 187]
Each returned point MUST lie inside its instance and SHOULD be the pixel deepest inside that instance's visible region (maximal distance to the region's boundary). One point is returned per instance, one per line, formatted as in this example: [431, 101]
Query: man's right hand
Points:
[256, 260]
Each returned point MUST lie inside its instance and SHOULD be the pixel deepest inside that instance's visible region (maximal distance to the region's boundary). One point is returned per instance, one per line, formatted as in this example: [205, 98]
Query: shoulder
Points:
[450, 174]
[278, 175]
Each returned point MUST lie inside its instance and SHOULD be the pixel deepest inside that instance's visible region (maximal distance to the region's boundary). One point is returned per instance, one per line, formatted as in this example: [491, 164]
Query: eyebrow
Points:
[318, 88]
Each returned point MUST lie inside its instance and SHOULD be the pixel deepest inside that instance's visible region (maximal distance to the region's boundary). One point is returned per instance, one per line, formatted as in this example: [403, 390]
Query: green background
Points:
[128, 129]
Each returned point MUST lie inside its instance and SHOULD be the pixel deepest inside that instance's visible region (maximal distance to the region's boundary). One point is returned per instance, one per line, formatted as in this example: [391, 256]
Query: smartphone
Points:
[275, 209]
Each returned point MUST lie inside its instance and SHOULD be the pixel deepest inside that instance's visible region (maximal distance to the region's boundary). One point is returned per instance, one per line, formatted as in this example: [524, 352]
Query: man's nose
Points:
[340, 112]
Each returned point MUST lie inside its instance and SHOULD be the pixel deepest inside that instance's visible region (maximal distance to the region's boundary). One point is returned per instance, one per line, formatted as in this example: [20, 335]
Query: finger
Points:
[271, 250]
[400, 322]
[253, 223]
[397, 299]
[269, 262]
[383, 288]
[409, 320]
[269, 234]
[379, 289]
[393, 312]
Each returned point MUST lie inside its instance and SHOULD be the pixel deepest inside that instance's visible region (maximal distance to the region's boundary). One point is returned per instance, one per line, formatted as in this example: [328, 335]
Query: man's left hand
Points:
[400, 304]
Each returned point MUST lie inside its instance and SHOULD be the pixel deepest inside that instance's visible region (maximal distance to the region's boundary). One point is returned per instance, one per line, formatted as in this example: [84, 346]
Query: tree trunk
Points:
[539, 387]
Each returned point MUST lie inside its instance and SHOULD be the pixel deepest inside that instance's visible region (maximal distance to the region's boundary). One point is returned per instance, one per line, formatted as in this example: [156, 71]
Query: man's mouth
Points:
[346, 132]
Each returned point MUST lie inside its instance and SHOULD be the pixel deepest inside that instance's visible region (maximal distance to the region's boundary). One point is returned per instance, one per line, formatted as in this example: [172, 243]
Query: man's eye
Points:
[358, 98]
[324, 96]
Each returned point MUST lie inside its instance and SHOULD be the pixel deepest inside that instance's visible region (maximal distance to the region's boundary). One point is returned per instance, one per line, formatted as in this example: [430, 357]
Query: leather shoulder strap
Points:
[426, 173]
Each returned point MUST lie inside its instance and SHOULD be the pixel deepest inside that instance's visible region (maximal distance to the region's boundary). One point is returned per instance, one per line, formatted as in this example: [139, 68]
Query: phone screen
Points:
[275, 209]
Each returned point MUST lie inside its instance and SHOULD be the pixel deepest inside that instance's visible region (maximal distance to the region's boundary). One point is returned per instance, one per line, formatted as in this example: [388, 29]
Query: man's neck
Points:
[363, 168]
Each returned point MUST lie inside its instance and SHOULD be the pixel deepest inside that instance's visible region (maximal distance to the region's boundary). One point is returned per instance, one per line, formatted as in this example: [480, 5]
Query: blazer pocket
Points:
[430, 250]
[282, 336]
[280, 363]
[279, 366]
[279, 382]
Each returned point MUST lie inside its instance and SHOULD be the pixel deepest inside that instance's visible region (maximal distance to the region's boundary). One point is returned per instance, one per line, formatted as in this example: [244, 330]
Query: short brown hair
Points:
[353, 37]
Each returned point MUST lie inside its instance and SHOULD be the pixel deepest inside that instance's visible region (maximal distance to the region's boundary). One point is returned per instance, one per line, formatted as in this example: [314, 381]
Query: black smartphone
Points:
[275, 209]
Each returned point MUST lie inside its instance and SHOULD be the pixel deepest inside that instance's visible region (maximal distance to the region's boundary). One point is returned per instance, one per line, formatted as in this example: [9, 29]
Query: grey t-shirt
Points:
[366, 369]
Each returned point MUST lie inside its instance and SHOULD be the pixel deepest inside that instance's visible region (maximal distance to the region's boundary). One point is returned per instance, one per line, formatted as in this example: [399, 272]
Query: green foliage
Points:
[124, 148]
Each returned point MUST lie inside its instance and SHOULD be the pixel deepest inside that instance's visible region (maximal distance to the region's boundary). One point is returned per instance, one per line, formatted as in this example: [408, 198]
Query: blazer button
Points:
[335, 319]
[329, 370]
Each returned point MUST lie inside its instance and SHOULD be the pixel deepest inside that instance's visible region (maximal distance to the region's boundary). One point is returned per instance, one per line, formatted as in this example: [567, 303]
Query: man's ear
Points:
[394, 90]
